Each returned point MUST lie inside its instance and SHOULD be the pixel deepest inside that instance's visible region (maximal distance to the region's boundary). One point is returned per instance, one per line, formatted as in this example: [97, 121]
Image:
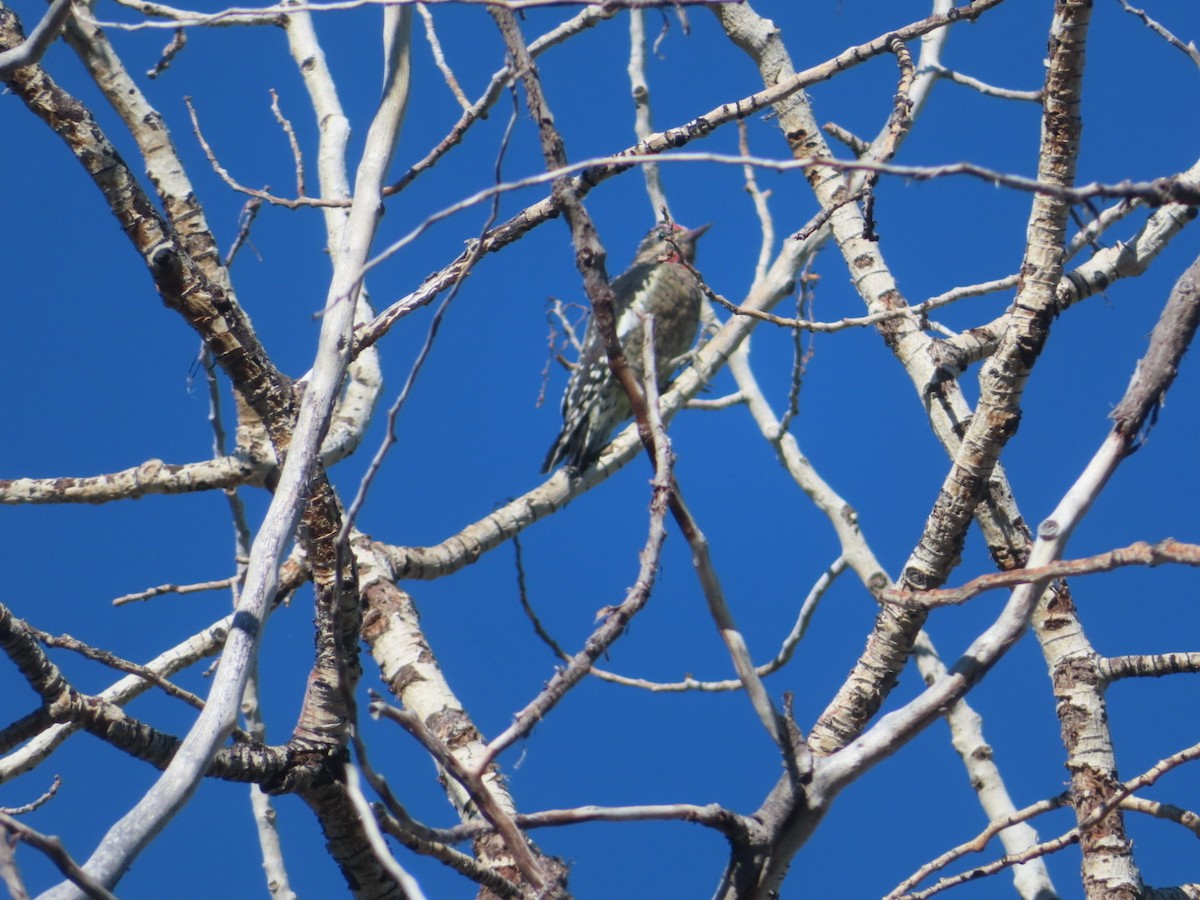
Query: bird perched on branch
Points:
[657, 284]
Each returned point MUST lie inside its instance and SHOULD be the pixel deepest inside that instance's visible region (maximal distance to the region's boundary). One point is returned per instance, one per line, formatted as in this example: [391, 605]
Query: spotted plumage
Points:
[657, 284]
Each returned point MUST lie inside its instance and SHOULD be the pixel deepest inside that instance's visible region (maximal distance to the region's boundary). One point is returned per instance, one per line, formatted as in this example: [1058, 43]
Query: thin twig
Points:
[1189, 48]
[643, 120]
[710, 816]
[160, 590]
[26, 808]
[439, 56]
[987, 89]
[1139, 554]
[245, 222]
[471, 781]
[375, 841]
[293, 143]
[759, 198]
[54, 850]
[394, 412]
[978, 843]
[1147, 778]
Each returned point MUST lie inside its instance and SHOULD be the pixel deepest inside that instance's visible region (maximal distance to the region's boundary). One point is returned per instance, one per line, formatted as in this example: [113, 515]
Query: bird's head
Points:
[669, 243]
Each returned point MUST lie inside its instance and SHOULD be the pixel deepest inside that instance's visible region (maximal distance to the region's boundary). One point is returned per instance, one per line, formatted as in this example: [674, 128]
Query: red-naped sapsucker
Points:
[657, 284]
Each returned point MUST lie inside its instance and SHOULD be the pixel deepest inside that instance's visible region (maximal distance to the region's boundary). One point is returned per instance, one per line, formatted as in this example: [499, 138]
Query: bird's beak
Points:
[694, 233]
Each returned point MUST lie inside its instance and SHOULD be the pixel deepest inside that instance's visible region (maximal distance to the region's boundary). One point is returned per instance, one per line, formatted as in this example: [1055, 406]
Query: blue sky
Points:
[99, 377]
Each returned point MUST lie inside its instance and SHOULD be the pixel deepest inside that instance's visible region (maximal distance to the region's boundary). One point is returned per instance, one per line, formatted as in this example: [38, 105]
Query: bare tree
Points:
[1005, 222]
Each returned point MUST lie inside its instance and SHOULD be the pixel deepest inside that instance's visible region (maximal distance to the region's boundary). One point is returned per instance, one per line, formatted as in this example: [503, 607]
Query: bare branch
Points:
[152, 477]
[46, 797]
[439, 57]
[1166, 811]
[787, 647]
[270, 15]
[30, 51]
[987, 89]
[1148, 666]
[53, 848]
[291, 136]
[976, 844]
[1186, 755]
[1189, 49]
[1139, 554]
[472, 781]
[643, 119]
